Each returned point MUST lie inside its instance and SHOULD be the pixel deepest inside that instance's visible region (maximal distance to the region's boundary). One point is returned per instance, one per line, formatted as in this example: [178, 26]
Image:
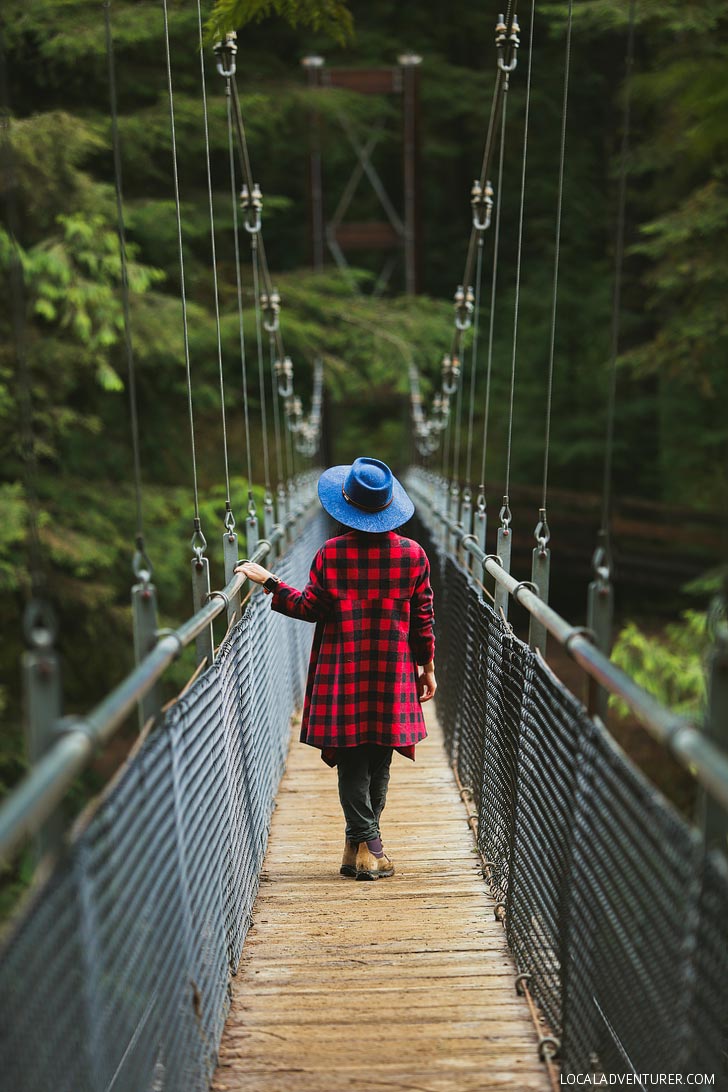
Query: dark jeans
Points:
[363, 780]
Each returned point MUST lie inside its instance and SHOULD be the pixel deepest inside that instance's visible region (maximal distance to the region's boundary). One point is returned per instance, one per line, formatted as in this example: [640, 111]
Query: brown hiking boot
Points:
[348, 861]
[369, 867]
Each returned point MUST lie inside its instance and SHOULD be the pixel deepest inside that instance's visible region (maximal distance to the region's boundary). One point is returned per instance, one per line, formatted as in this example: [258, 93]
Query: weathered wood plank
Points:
[406, 983]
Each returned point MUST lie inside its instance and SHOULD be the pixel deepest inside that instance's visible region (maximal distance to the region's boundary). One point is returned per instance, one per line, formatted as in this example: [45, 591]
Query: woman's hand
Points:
[426, 684]
[254, 572]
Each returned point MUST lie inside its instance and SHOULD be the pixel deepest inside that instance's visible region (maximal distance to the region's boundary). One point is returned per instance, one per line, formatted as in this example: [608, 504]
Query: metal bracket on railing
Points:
[540, 574]
[504, 540]
[600, 611]
[205, 641]
[41, 672]
[269, 516]
[144, 623]
[710, 816]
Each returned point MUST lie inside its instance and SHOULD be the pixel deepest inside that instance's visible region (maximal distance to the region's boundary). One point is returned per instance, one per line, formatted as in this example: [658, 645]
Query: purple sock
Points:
[375, 846]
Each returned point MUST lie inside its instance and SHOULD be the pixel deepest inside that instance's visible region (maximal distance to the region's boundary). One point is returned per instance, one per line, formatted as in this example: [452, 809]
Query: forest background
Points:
[671, 437]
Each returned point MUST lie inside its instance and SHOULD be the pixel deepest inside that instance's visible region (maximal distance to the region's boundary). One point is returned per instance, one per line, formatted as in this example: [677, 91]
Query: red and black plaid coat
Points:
[370, 597]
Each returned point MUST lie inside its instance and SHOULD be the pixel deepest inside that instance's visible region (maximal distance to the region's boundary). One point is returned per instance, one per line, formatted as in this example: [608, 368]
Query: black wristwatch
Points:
[271, 583]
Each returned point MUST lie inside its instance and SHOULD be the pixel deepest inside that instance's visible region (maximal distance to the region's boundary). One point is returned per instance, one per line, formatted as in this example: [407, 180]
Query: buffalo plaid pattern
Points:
[371, 599]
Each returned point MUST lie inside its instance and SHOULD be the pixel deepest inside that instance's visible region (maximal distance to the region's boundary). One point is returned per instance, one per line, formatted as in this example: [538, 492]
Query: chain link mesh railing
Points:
[612, 906]
[116, 976]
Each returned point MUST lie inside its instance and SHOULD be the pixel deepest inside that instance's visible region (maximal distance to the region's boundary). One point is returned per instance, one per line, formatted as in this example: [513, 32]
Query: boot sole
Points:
[347, 870]
[363, 875]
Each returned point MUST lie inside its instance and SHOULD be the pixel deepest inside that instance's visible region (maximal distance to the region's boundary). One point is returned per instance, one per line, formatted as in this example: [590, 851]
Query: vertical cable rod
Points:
[121, 228]
[239, 286]
[618, 266]
[519, 252]
[259, 340]
[474, 359]
[213, 253]
[183, 294]
[557, 255]
[493, 291]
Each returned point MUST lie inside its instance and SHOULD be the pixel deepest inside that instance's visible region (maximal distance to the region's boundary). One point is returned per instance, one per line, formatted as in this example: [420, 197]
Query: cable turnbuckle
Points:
[252, 206]
[225, 51]
[464, 307]
[272, 304]
[507, 43]
[481, 200]
[284, 370]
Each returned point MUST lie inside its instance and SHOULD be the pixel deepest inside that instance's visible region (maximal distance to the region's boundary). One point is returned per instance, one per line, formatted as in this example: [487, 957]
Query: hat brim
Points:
[334, 502]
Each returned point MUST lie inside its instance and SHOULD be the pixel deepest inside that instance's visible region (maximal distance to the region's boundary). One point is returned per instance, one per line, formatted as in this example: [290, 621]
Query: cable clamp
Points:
[72, 725]
[507, 44]
[271, 304]
[450, 374]
[464, 307]
[548, 1047]
[521, 980]
[294, 410]
[225, 52]
[481, 200]
[284, 368]
[252, 206]
[492, 557]
[579, 631]
[218, 595]
[167, 632]
[529, 584]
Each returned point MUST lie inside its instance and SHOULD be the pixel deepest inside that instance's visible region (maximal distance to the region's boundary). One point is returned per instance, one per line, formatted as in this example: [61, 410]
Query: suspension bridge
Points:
[551, 916]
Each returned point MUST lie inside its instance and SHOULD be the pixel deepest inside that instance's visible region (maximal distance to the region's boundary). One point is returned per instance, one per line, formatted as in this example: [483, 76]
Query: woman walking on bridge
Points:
[372, 661]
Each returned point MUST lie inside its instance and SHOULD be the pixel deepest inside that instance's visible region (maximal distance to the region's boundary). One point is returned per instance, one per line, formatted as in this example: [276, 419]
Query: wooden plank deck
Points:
[403, 983]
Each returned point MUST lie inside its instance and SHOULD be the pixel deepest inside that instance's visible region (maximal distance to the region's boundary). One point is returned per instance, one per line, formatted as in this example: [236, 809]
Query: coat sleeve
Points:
[422, 617]
[313, 603]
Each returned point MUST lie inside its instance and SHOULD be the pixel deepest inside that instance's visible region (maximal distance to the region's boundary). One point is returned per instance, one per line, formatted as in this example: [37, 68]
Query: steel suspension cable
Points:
[239, 287]
[183, 294]
[39, 623]
[259, 341]
[557, 255]
[519, 251]
[474, 360]
[229, 518]
[618, 265]
[458, 414]
[276, 409]
[493, 292]
[141, 560]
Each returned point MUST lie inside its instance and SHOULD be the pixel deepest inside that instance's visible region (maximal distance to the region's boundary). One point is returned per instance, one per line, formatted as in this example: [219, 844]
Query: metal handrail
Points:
[43, 787]
[707, 763]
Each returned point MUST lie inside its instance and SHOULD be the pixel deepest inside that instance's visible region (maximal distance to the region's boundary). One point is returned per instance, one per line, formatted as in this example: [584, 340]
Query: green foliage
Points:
[330, 16]
[671, 666]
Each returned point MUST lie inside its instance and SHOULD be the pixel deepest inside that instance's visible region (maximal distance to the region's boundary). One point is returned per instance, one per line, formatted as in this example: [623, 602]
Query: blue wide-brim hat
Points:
[365, 496]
